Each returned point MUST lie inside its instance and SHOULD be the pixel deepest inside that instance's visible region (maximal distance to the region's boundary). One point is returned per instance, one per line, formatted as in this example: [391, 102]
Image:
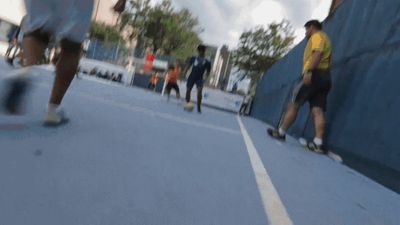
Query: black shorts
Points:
[316, 93]
[172, 86]
[191, 82]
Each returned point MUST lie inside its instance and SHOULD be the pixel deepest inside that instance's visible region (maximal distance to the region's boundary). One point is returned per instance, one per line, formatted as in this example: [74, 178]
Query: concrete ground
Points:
[130, 157]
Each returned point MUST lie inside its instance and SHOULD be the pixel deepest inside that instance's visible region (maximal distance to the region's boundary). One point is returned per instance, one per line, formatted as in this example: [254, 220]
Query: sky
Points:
[224, 20]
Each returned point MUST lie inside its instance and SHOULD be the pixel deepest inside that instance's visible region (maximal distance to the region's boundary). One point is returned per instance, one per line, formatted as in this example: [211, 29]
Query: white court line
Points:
[273, 206]
[163, 115]
[150, 112]
[159, 114]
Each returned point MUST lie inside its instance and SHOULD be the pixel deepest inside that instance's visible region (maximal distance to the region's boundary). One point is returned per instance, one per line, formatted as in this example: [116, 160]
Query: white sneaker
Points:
[54, 118]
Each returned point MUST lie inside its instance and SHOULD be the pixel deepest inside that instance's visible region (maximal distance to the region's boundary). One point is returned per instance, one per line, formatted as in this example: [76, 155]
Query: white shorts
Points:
[64, 19]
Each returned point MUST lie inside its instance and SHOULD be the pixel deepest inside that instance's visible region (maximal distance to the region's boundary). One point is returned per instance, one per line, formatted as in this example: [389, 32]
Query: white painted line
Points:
[273, 206]
[166, 116]
[149, 112]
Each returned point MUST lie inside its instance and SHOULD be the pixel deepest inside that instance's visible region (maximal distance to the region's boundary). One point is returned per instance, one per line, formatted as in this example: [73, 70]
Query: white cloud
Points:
[224, 20]
[322, 10]
[299, 34]
[267, 12]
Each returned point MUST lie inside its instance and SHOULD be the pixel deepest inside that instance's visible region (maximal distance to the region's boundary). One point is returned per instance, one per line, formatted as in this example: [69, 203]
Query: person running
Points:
[153, 82]
[200, 66]
[245, 104]
[172, 81]
[12, 41]
[16, 44]
[313, 87]
[85, 46]
[67, 21]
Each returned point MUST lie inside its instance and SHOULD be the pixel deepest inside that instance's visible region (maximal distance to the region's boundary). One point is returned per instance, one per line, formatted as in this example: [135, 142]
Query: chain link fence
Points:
[111, 52]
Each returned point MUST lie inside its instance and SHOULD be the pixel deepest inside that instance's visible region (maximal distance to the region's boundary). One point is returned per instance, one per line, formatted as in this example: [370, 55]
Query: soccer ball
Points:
[189, 107]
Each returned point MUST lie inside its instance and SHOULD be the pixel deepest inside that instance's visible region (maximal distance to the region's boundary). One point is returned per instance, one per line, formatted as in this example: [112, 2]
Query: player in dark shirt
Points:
[199, 66]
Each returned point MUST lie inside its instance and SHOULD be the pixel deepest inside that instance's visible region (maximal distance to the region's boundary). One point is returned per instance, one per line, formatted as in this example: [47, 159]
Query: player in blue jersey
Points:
[200, 69]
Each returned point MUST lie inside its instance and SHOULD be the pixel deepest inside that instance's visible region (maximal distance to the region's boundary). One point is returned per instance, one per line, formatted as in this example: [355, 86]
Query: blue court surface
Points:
[130, 157]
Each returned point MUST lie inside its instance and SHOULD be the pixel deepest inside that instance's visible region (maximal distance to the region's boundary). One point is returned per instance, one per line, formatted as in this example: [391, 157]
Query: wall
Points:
[364, 103]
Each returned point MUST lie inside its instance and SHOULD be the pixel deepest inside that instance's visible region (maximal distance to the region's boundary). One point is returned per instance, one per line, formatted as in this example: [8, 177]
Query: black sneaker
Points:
[15, 94]
[275, 134]
[315, 148]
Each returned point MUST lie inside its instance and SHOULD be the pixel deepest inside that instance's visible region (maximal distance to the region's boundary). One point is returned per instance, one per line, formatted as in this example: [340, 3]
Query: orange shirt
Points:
[154, 80]
[173, 75]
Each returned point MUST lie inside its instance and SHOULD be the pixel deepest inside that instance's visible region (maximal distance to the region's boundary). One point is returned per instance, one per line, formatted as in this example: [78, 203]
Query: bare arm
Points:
[187, 67]
[315, 61]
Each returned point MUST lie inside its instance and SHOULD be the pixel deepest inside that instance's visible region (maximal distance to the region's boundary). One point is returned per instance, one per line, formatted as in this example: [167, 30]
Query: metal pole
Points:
[227, 66]
[94, 49]
[117, 51]
[97, 10]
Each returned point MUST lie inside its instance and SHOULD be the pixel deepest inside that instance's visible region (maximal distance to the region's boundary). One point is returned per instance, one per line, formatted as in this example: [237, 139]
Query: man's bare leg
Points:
[319, 122]
[66, 69]
[33, 50]
[289, 118]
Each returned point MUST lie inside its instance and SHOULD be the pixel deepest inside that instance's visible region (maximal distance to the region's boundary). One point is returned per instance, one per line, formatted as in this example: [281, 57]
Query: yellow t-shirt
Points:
[318, 42]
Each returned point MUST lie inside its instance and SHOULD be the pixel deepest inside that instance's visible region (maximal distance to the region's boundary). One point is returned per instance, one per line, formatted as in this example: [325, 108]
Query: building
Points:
[103, 13]
[238, 82]
[221, 68]
[11, 13]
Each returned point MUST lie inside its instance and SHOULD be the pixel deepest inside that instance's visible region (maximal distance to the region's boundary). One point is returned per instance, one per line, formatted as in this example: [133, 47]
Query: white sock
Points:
[318, 141]
[281, 131]
[52, 107]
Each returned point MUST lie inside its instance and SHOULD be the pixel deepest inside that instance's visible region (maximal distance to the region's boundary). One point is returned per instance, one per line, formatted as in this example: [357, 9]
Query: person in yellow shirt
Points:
[313, 86]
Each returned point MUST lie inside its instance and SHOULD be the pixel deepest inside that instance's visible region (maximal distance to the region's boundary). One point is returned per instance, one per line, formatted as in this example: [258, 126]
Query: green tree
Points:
[181, 35]
[105, 33]
[158, 18]
[259, 48]
[134, 18]
[161, 27]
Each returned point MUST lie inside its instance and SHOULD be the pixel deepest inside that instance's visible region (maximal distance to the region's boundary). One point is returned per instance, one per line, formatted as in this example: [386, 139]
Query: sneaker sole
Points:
[54, 125]
[276, 138]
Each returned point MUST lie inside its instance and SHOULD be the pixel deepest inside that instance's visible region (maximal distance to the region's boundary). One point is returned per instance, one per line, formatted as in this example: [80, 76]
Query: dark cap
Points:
[314, 23]
[201, 48]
